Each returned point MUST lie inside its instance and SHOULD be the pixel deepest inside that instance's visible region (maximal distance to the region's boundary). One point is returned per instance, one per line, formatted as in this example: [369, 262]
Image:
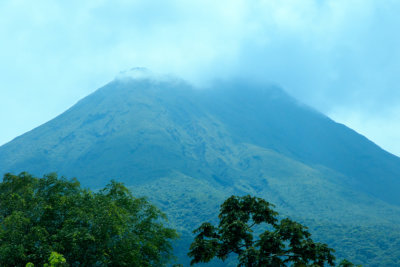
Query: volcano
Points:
[188, 148]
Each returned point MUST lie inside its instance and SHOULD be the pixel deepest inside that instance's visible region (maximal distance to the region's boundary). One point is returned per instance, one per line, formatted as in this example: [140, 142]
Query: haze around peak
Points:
[342, 57]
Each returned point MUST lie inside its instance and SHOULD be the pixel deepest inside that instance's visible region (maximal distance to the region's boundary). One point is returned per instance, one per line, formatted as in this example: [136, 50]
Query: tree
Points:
[55, 260]
[346, 263]
[109, 227]
[283, 242]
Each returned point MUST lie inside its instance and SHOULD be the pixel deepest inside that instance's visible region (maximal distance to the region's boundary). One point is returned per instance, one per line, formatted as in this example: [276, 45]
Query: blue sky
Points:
[340, 56]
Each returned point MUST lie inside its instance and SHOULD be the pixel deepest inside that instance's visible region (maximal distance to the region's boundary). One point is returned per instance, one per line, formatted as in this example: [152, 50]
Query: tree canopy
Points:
[109, 227]
[280, 243]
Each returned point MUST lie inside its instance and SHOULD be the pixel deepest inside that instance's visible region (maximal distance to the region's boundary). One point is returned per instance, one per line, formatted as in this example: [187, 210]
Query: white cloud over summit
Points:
[340, 56]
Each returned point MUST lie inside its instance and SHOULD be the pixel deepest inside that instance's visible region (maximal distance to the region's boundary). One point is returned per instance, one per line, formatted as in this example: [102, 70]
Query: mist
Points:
[341, 57]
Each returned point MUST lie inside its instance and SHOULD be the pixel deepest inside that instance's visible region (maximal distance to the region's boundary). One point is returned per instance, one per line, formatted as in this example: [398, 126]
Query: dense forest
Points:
[53, 221]
[41, 216]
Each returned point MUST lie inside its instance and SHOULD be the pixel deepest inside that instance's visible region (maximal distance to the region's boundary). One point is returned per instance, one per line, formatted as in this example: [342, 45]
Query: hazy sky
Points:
[340, 56]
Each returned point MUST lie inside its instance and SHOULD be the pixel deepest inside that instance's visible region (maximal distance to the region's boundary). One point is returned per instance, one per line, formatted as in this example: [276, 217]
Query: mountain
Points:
[189, 148]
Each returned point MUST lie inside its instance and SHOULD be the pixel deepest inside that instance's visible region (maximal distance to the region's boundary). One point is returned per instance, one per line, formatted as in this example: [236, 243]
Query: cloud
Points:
[339, 56]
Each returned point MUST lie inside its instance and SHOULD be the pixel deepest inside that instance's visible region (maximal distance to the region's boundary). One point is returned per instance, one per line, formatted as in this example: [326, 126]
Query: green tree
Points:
[55, 260]
[280, 243]
[105, 228]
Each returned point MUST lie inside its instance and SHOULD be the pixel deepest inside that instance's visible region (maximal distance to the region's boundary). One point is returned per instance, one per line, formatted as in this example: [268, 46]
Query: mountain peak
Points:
[136, 73]
[142, 73]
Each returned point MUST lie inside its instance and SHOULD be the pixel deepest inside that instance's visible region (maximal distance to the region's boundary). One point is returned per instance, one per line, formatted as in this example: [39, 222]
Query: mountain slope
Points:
[188, 149]
[269, 118]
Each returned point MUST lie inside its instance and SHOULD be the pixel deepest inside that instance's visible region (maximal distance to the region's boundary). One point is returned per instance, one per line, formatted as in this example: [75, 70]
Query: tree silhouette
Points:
[280, 242]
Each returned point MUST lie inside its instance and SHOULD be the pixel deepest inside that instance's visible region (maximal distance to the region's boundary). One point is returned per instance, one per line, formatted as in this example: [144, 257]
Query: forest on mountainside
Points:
[54, 218]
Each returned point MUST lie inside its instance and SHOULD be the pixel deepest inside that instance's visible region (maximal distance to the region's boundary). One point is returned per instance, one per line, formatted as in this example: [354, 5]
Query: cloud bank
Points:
[340, 56]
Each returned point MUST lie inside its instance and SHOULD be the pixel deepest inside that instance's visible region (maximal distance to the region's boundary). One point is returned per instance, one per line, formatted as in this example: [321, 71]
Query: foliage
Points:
[55, 260]
[374, 245]
[346, 263]
[284, 242]
[108, 227]
[346, 228]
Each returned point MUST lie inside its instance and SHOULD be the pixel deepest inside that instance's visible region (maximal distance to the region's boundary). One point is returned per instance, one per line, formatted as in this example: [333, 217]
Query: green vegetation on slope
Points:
[39, 216]
[354, 234]
[374, 245]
